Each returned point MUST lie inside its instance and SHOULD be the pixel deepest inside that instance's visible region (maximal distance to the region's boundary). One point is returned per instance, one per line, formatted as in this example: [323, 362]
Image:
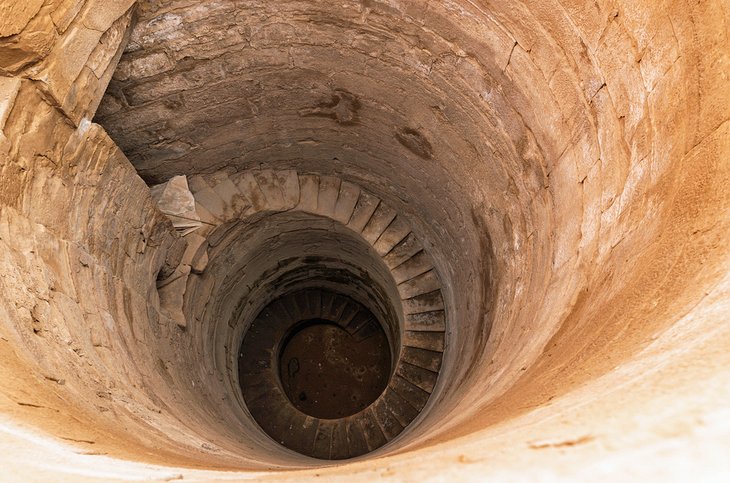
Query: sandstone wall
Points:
[564, 162]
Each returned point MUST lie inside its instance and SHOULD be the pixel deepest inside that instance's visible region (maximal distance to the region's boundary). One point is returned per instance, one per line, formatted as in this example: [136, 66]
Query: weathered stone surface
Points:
[70, 50]
[346, 201]
[397, 230]
[428, 321]
[420, 284]
[364, 209]
[403, 251]
[308, 192]
[174, 199]
[418, 264]
[9, 87]
[562, 163]
[432, 341]
[250, 189]
[379, 221]
[15, 16]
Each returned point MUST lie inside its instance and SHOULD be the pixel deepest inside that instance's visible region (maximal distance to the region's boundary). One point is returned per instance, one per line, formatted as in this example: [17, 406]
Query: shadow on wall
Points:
[587, 142]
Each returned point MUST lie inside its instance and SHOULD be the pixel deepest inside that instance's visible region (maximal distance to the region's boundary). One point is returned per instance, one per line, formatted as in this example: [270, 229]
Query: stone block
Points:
[414, 266]
[329, 187]
[9, 88]
[397, 230]
[271, 189]
[251, 191]
[419, 377]
[379, 221]
[421, 284]
[14, 16]
[175, 200]
[403, 251]
[346, 201]
[429, 302]
[308, 193]
[364, 209]
[427, 321]
[288, 181]
[430, 341]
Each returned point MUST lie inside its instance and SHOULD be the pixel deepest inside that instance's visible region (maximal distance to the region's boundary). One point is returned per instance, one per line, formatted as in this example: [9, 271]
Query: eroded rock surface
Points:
[562, 163]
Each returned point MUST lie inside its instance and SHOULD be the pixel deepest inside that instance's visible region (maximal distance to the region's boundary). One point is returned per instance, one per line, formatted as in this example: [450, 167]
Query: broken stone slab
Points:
[9, 88]
[14, 16]
[175, 200]
[172, 292]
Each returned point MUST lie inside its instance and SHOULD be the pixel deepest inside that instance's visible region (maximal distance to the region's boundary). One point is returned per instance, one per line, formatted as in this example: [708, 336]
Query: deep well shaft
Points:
[404, 239]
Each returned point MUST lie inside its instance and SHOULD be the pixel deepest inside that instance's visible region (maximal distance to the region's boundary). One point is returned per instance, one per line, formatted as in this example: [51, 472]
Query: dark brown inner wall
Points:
[555, 172]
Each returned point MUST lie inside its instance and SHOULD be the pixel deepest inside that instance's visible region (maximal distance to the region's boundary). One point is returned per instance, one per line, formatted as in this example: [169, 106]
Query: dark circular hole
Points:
[326, 362]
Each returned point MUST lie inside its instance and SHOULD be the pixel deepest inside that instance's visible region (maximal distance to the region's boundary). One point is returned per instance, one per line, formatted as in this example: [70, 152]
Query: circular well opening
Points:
[331, 371]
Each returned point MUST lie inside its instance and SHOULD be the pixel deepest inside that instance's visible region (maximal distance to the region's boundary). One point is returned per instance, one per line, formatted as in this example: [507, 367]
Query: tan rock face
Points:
[558, 167]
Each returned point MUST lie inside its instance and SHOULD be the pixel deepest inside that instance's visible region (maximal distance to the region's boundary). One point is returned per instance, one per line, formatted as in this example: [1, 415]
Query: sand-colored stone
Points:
[564, 164]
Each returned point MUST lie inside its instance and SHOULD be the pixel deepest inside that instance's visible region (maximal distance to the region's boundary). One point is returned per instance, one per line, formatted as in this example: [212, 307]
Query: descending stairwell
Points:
[225, 204]
[394, 240]
[380, 420]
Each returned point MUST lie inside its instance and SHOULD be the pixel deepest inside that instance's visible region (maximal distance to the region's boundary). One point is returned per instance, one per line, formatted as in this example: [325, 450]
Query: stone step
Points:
[355, 437]
[329, 188]
[339, 439]
[359, 321]
[208, 219]
[314, 303]
[227, 191]
[414, 395]
[428, 302]
[269, 318]
[288, 181]
[339, 448]
[418, 376]
[346, 201]
[261, 330]
[300, 433]
[350, 312]
[395, 233]
[249, 188]
[262, 391]
[258, 190]
[374, 437]
[426, 321]
[339, 304]
[420, 284]
[414, 266]
[253, 358]
[308, 192]
[289, 306]
[425, 359]
[323, 439]
[364, 209]
[387, 421]
[258, 386]
[274, 415]
[401, 409]
[207, 198]
[432, 341]
[379, 221]
[281, 317]
[302, 301]
[404, 250]
[328, 298]
[367, 330]
[270, 188]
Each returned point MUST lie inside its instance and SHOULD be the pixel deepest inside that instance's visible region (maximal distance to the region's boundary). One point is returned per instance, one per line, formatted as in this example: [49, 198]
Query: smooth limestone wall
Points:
[564, 162]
